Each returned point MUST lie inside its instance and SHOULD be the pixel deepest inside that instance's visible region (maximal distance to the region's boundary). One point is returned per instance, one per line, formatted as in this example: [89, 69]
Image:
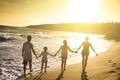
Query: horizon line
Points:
[60, 23]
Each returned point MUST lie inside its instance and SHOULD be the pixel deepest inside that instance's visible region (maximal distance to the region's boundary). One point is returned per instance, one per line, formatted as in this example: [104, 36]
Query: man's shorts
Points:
[25, 62]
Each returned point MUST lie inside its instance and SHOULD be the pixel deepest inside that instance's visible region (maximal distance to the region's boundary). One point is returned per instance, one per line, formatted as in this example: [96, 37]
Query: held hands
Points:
[76, 51]
[96, 54]
[36, 57]
[52, 55]
[55, 54]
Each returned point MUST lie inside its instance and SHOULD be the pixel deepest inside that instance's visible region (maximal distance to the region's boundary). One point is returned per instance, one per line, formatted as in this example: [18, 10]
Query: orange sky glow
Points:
[30, 12]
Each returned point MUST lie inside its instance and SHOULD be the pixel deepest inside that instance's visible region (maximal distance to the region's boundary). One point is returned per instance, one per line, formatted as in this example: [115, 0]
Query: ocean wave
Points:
[11, 66]
[7, 36]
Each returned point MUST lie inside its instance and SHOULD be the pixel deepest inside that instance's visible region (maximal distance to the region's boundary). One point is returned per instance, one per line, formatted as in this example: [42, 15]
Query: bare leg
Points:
[86, 61]
[83, 61]
[45, 67]
[24, 68]
[65, 63]
[62, 65]
[30, 65]
[42, 66]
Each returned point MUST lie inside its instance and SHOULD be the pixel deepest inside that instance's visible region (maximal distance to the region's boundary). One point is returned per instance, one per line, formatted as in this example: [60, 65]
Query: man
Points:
[27, 54]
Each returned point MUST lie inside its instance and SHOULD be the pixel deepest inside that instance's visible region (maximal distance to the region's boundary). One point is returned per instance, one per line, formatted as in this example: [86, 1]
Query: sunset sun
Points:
[83, 10]
[60, 39]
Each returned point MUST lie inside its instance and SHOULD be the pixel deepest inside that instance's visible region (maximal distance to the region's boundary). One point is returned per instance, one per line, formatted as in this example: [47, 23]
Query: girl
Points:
[64, 53]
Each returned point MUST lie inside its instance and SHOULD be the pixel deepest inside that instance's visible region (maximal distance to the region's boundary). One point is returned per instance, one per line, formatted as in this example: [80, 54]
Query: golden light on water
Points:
[97, 41]
[76, 39]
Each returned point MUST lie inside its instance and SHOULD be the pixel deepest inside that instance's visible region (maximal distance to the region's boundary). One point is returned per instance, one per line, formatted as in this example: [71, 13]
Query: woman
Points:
[85, 52]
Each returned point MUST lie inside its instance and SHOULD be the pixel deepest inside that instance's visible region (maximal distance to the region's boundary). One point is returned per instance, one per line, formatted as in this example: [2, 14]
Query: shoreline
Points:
[104, 67]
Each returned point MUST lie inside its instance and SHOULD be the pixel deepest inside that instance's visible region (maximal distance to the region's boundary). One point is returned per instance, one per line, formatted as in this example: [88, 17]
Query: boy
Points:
[44, 55]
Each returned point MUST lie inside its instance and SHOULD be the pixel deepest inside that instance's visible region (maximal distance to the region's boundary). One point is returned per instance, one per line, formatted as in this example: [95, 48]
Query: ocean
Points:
[12, 40]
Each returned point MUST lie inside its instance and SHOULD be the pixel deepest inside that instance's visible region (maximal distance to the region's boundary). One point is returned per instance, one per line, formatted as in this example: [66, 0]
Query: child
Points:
[64, 52]
[44, 55]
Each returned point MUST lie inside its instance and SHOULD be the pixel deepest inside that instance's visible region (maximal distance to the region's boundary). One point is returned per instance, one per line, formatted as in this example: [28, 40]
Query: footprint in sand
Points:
[114, 64]
[117, 68]
[118, 78]
[110, 61]
[111, 71]
[118, 74]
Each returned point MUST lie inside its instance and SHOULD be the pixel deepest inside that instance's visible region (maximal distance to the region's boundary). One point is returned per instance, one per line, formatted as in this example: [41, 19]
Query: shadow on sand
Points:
[84, 75]
[60, 76]
[38, 77]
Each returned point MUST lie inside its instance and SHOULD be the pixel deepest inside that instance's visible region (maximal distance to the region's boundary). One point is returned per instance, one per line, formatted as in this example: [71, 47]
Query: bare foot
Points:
[45, 71]
[41, 72]
[31, 70]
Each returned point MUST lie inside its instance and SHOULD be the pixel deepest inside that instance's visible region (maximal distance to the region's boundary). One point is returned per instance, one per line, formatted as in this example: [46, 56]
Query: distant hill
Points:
[111, 30]
[6, 27]
[102, 28]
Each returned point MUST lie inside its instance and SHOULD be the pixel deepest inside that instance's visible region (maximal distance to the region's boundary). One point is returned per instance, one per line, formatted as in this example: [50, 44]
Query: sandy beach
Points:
[64, 29]
[104, 67]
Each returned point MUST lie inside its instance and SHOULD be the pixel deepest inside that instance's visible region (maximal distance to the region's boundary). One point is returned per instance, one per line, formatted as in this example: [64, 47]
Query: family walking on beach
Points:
[28, 49]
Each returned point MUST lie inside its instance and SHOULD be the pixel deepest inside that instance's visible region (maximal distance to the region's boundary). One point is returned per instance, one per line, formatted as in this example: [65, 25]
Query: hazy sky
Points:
[27, 12]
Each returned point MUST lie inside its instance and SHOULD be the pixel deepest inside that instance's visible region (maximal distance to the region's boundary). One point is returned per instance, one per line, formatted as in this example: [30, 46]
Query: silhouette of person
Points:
[85, 52]
[64, 53]
[27, 54]
[44, 55]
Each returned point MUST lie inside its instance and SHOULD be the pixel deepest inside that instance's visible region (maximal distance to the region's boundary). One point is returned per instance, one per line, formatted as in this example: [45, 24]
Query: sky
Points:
[33, 12]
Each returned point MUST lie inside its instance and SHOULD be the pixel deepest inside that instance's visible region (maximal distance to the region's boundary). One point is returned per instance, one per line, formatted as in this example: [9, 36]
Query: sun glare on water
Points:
[83, 10]
[97, 41]
[76, 39]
